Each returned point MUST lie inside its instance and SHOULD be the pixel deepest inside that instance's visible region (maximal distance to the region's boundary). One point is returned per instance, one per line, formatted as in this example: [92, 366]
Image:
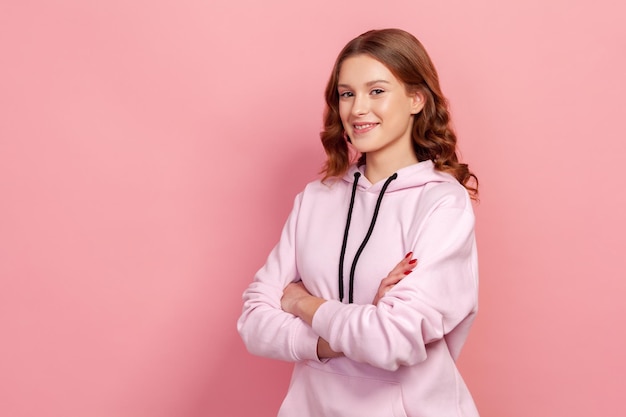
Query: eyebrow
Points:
[369, 83]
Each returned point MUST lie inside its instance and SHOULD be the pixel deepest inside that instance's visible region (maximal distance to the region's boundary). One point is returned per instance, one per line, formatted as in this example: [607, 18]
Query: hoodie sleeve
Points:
[264, 327]
[424, 307]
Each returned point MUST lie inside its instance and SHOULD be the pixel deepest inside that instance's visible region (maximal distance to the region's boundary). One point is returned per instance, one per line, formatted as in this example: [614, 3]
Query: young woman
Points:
[372, 336]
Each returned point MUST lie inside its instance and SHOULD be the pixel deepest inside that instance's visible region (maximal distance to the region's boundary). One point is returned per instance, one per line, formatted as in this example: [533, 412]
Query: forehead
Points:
[362, 69]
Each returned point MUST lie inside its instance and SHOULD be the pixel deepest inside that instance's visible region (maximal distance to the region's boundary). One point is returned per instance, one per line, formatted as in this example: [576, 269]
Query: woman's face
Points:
[375, 108]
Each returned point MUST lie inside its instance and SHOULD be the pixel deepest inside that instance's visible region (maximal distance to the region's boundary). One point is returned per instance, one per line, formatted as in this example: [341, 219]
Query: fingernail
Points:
[407, 272]
[408, 255]
[412, 261]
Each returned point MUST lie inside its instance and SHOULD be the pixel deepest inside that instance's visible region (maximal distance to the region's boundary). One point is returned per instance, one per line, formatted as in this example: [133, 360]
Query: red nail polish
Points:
[407, 272]
[412, 261]
[408, 255]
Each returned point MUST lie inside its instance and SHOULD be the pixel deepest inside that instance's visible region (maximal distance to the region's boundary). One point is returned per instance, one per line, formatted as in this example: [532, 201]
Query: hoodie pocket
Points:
[314, 392]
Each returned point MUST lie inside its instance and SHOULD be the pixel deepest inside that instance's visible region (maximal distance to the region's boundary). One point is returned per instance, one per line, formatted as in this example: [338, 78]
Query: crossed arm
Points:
[298, 301]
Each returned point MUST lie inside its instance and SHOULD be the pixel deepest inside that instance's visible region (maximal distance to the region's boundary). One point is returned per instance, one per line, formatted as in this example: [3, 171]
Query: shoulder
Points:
[448, 194]
[319, 187]
[318, 195]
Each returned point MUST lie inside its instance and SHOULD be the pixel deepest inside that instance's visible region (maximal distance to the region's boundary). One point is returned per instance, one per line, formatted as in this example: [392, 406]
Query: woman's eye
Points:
[346, 94]
[377, 91]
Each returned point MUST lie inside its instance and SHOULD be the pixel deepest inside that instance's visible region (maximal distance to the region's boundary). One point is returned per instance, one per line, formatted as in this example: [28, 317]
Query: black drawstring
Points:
[365, 240]
[345, 234]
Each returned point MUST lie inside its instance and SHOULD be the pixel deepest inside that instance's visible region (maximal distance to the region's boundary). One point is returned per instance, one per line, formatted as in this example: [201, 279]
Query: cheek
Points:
[385, 106]
[399, 105]
[397, 109]
[395, 113]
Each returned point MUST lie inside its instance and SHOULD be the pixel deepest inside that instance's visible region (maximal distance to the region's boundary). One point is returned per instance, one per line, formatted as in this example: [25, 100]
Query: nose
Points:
[360, 105]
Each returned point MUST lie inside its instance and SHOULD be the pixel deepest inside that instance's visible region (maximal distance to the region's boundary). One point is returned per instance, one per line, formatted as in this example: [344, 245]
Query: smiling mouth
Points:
[364, 127]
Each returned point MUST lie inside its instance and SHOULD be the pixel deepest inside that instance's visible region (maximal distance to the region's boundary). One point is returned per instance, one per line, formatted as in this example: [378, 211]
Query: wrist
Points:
[300, 305]
[324, 351]
[306, 306]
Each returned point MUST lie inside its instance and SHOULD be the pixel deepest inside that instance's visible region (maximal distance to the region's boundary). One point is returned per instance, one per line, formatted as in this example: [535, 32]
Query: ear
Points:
[417, 102]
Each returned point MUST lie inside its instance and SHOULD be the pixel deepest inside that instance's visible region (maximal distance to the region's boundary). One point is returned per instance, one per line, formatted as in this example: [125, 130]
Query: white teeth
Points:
[359, 127]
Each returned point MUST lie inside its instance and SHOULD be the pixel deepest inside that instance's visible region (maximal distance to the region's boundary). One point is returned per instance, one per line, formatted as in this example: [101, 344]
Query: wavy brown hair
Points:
[433, 136]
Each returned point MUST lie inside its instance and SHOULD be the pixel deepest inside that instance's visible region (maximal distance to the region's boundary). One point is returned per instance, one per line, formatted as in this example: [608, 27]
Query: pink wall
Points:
[150, 152]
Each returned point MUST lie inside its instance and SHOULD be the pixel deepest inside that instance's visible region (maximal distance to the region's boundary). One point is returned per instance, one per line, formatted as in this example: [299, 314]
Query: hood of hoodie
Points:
[412, 176]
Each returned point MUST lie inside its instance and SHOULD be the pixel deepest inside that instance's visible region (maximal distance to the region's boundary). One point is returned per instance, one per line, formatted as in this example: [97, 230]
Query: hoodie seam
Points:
[389, 381]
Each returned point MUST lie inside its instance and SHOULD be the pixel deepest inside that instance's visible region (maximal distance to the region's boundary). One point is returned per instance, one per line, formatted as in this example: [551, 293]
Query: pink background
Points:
[150, 152]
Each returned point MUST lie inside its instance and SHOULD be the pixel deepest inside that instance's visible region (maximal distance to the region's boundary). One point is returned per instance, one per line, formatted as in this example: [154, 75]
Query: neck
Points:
[379, 167]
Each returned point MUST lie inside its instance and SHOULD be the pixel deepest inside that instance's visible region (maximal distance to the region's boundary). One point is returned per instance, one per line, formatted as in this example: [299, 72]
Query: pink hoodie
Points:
[399, 354]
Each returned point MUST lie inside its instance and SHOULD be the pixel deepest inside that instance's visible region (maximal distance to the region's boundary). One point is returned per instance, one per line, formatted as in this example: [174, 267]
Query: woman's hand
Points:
[298, 301]
[293, 293]
[324, 350]
[404, 268]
